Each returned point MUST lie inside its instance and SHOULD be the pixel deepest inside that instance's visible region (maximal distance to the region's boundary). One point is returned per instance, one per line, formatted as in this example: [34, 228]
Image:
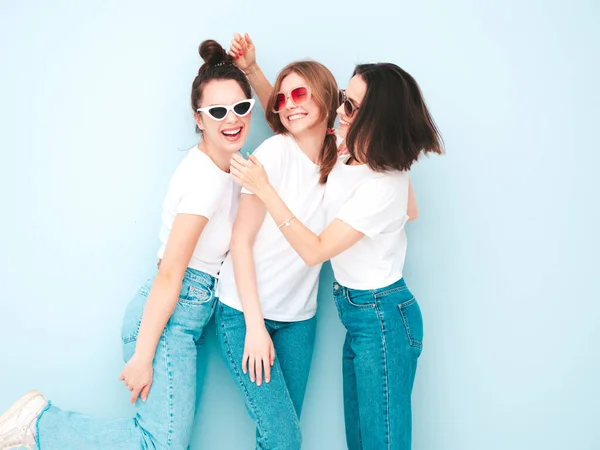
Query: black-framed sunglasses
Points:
[219, 112]
[349, 107]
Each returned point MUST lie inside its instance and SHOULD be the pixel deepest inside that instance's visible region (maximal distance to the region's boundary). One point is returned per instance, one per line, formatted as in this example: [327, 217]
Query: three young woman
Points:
[351, 210]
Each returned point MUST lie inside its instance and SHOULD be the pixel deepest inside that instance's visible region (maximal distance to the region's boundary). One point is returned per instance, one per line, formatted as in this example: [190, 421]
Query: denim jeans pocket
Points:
[132, 318]
[361, 299]
[194, 293]
[131, 327]
[413, 322]
[133, 334]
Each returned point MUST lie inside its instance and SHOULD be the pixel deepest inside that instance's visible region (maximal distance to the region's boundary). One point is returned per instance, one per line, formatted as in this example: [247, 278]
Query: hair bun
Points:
[213, 53]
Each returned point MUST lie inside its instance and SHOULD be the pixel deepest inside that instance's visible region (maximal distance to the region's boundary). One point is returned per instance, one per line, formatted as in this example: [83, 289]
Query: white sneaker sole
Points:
[19, 404]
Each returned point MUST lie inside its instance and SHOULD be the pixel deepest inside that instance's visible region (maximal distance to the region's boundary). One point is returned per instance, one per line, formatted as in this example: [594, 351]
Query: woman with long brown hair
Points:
[267, 294]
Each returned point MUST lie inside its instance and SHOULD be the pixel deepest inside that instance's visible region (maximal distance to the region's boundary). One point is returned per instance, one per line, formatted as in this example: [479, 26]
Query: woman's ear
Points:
[198, 120]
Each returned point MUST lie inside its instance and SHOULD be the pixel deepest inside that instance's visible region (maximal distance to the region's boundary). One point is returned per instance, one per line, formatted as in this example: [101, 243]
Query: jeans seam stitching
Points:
[239, 377]
[204, 288]
[347, 342]
[291, 407]
[133, 336]
[411, 340]
[391, 291]
[170, 378]
[385, 367]
[370, 305]
[202, 277]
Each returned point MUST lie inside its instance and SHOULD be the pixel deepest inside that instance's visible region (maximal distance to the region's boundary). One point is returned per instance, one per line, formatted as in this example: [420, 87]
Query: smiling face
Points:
[300, 113]
[229, 134]
[355, 94]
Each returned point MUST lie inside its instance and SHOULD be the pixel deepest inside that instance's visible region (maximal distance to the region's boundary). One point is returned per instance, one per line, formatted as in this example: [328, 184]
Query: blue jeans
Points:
[275, 407]
[165, 419]
[383, 342]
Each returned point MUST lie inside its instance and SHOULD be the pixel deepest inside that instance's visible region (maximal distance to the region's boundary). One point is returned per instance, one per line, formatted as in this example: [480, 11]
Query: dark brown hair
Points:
[393, 126]
[324, 91]
[218, 65]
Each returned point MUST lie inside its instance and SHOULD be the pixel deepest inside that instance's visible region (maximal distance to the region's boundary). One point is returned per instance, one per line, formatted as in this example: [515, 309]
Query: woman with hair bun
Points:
[164, 323]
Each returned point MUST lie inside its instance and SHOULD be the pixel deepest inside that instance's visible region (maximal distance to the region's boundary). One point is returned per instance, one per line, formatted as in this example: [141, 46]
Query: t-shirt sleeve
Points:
[270, 156]
[376, 206]
[201, 194]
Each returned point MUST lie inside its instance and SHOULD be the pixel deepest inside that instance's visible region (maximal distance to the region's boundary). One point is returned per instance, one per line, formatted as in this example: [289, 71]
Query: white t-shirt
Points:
[199, 187]
[287, 287]
[374, 203]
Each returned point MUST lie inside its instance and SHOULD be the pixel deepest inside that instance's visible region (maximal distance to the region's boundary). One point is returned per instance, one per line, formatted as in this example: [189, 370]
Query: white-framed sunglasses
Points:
[219, 112]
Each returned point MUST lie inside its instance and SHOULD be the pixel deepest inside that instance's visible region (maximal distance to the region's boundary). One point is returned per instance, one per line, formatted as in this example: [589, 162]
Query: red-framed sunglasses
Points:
[299, 96]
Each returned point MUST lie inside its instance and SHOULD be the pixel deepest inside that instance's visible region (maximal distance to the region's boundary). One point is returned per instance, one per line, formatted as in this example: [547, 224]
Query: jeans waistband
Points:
[337, 287]
[198, 276]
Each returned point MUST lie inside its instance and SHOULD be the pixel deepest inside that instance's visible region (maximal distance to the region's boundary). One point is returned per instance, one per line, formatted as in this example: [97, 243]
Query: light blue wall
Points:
[94, 114]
